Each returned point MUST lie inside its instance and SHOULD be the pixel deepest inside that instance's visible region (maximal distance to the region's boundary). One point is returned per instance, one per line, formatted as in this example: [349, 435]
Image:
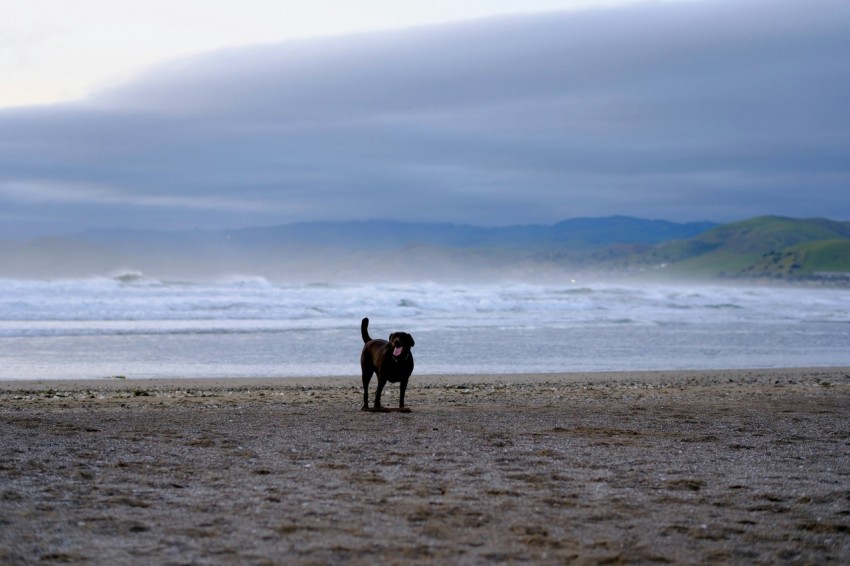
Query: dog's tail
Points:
[364, 330]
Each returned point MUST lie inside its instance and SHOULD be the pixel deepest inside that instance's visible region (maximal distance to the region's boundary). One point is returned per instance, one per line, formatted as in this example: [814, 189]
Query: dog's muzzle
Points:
[400, 354]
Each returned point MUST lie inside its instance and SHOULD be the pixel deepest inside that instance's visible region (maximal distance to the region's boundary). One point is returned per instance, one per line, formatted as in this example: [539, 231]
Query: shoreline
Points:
[647, 376]
[740, 466]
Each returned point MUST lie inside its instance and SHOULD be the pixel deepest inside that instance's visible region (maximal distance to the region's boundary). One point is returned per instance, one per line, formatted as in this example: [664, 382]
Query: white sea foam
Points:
[139, 299]
[131, 324]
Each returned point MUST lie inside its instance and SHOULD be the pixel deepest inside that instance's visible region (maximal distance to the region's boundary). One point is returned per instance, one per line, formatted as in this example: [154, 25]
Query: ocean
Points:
[136, 327]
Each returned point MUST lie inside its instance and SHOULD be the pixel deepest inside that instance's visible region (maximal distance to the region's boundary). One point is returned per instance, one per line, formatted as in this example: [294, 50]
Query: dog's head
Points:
[401, 342]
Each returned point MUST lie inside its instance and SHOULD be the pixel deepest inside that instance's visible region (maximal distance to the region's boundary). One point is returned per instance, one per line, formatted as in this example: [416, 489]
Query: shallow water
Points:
[249, 327]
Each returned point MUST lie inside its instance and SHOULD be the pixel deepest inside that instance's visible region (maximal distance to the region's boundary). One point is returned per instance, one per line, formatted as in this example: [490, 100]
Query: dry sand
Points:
[683, 467]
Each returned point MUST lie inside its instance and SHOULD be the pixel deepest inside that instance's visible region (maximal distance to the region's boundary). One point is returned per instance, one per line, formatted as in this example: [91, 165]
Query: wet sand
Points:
[749, 466]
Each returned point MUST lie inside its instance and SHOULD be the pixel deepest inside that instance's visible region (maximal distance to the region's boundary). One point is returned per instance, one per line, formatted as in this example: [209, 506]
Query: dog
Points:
[391, 360]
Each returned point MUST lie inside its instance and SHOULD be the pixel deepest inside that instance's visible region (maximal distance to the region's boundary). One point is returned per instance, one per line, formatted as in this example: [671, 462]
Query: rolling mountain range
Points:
[578, 233]
[760, 248]
[767, 247]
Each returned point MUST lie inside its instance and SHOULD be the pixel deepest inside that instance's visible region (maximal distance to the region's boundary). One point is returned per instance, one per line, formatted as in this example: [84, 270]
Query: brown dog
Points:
[391, 360]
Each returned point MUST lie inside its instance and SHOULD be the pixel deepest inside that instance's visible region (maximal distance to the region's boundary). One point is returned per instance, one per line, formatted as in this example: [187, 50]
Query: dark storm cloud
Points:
[701, 110]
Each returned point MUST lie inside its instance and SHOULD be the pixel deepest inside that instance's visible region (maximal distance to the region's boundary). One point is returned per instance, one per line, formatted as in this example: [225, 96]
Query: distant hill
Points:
[340, 251]
[575, 233]
[767, 247]
[761, 248]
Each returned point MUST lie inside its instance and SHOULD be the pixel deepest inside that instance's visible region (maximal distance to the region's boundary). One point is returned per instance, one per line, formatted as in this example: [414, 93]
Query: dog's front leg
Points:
[402, 389]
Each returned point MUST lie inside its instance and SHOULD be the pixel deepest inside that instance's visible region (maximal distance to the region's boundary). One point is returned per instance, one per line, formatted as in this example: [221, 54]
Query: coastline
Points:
[673, 466]
[647, 377]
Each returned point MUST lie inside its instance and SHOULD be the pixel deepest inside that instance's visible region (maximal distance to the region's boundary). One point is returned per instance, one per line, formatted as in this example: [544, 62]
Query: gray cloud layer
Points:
[703, 110]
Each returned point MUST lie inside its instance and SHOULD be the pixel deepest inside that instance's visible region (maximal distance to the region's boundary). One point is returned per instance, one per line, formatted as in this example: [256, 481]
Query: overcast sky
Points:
[694, 110]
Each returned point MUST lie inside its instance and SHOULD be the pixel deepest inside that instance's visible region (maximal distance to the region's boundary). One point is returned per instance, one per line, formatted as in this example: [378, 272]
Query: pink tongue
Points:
[397, 352]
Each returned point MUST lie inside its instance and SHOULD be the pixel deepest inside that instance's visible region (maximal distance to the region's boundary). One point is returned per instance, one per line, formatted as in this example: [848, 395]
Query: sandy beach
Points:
[746, 466]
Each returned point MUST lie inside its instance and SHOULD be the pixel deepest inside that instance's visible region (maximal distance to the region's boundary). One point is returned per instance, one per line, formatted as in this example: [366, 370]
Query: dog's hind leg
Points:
[381, 383]
[367, 377]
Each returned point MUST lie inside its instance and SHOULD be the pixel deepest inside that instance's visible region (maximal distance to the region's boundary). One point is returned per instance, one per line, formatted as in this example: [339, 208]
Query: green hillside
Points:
[766, 247]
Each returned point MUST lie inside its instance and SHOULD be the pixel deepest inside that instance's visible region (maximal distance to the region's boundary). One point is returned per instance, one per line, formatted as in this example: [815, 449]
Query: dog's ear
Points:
[410, 339]
[392, 336]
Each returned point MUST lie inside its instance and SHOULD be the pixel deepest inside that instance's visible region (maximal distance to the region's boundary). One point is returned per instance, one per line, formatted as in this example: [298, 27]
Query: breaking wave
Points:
[133, 325]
